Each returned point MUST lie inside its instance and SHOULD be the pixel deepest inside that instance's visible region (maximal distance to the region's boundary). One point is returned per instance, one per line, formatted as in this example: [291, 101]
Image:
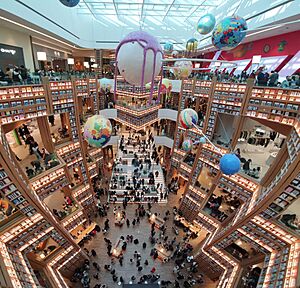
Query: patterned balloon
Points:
[148, 85]
[166, 85]
[230, 164]
[187, 118]
[229, 33]
[175, 53]
[97, 131]
[70, 3]
[192, 45]
[187, 145]
[183, 69]
[168, 47]
[206, 24]
[139, 58]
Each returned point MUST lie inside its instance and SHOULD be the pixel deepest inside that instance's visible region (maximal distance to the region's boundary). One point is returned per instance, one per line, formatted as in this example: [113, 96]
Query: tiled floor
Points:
[140, 231]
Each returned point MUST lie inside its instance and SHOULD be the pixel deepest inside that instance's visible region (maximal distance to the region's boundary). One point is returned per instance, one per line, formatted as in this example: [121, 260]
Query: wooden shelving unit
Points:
[22, 102]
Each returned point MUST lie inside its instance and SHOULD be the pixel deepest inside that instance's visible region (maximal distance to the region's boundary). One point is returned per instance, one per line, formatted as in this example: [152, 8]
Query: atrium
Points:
[149, 143]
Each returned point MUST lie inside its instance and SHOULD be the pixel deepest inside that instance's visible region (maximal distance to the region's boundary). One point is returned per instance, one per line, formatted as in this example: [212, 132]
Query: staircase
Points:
[124, 171]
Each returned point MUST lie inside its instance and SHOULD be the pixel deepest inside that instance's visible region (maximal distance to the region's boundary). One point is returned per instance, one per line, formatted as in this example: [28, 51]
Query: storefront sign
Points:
[9, 51]
[11, 56]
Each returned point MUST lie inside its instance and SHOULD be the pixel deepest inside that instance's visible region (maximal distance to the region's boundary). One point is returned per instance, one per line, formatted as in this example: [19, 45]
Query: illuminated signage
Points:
[8, 51]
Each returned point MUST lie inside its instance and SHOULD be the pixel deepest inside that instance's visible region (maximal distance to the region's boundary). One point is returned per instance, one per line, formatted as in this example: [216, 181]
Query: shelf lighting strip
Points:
[56, 279]
[270, 227]
[137, 127]
[259, 242]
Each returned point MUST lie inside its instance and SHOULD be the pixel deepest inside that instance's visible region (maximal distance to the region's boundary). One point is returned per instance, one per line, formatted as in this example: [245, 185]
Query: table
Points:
[85, 232]
[159, 222]
[194, 230]
[163, 254]
[119, 219]
[117, 251]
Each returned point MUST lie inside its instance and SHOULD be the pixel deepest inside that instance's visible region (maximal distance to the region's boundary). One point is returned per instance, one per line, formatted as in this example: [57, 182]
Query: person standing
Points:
[273, 79]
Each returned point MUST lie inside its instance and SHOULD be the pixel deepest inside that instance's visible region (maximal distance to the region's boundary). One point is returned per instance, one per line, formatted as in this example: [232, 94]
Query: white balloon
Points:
[130, 63]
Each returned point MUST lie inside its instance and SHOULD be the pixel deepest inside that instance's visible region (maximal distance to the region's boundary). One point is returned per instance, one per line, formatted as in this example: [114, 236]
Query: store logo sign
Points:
[8, 51]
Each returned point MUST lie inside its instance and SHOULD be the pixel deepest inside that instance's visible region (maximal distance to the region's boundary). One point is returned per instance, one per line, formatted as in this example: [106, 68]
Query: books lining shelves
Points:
[22, 102]
[290, 194]
[50, 183]
[11, 192]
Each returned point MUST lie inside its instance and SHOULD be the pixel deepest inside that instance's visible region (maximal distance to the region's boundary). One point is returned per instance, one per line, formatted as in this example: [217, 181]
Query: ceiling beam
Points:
[88, 7]
[150, 4]
[116, 10]
[169, 8]
[194, 10]
[142, 12]
[134, 14]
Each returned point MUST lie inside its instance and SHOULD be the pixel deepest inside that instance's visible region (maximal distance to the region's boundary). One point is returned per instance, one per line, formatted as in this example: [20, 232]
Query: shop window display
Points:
[291, 216]
[30, 144]
[59, 128]
[250, 276]
[43, 249]
[205, 179]
[224, 130]
[61, 203]
[257, 148]
[222, 204]
[240, 249]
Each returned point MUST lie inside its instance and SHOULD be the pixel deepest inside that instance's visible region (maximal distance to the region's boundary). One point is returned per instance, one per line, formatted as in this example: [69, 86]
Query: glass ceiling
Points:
[148, 14]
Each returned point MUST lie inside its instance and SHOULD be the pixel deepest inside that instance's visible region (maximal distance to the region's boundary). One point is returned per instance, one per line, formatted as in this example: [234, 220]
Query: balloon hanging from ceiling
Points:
[183, 69]
[188, 118]
[168, 47]
[175, 54]
[230, 164]
[229, 33]
[105, 83]
[97, 131]
[187, 145]
[166, 86]
[202, 140]
[139, 58]
[148, 85]
[192, 45]
[70, 3]
[206, 24]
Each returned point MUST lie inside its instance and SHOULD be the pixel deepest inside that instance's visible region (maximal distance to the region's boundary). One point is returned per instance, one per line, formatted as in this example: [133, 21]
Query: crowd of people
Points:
[142, 184]
[185, 269]
[20, 75]
[44, 159]
[14, 75]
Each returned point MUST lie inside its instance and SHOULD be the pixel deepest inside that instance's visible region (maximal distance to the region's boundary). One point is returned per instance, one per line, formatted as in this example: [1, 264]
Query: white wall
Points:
[163, 140]
[167, 114]
[230, 124]
[109, 113]
[19, 39]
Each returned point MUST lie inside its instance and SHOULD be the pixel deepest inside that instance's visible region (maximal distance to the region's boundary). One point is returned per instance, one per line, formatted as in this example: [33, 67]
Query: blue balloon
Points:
[229, 33]
[168, 47]
[206, 24]
[230, 164]
[202, 140]
[70, 3]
